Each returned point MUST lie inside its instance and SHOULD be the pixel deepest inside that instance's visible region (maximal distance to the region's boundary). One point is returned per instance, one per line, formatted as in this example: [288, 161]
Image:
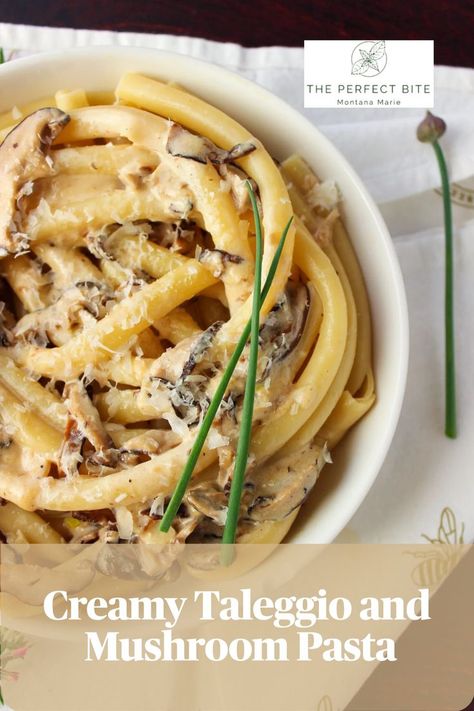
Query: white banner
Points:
[374, 73]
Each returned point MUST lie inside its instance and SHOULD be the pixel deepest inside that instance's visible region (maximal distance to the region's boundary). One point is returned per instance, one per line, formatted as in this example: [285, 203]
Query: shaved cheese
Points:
[114, 427]
[299, 398]
[195, 378]
[216, 439]
[124, 521]
[325, 195]
[158, 397]
[158, 506]
[26, 189]
[220, 517]
[326, 454]
[89, 374]
[177, 424]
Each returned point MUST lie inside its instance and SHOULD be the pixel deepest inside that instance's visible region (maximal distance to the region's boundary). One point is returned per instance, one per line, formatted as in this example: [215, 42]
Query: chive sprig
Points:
[429, 131]
[450, 361]
[243, 445]
[259, 296]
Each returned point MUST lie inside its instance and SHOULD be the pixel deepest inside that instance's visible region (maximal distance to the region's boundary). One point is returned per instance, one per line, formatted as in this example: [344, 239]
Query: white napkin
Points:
[424, 473]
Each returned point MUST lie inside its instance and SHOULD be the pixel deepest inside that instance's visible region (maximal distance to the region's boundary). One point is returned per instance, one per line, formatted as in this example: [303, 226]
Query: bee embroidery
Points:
[437, 564]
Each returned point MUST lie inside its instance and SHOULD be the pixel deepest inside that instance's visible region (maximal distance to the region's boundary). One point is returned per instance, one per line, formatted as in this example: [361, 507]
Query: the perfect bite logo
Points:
[368, 73]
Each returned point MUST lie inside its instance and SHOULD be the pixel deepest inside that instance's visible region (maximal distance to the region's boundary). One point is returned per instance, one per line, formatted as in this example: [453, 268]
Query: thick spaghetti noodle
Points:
[127, 243]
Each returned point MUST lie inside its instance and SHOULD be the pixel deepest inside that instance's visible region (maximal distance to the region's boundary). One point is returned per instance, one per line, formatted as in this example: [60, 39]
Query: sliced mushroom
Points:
[185, 525]
[70, 455]
[87, 418]
[153, 441]
[200, 347]
[169, 366]
[98, 462]
[185, 144]
[23, 159]
[284, 325]
[77, 305]
[96, 244]
[279, 335]
[236, 180]
[90, 526]
[7, 322]
[218, 259]
[283, 485]
[209, 500]
[179, 237]
[85, 534]
[173, 386]
[189, 396]
[137, 450]
[99, 517]
[208, 531]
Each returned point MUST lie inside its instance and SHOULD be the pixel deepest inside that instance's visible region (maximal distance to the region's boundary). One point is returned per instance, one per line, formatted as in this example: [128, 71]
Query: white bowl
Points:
[358, 459]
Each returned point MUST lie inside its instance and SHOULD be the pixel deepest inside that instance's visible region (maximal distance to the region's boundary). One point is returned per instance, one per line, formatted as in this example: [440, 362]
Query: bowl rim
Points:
[275, 103]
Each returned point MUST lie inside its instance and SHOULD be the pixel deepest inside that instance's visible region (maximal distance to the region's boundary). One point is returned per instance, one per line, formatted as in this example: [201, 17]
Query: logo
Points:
[369, 58]
[374, 73]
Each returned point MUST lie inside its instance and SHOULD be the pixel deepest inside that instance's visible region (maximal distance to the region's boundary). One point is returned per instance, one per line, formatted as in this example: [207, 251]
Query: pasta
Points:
[127, 248]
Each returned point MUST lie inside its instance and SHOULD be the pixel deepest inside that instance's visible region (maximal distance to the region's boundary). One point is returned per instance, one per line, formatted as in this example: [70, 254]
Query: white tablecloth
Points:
[424, 472]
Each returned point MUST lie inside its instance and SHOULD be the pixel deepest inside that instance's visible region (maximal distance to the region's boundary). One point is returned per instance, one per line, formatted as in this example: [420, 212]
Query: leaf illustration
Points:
[364, 54]
[373, 64]
[360, 66]
[378, 50]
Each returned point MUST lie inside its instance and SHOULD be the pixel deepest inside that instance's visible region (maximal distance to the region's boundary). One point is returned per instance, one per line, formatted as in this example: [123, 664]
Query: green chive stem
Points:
[214, 405]
[450, 362]
[243, 445]
[2, 56]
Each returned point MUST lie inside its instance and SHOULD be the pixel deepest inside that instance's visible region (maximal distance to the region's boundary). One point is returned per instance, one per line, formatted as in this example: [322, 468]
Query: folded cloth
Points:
[425, 473]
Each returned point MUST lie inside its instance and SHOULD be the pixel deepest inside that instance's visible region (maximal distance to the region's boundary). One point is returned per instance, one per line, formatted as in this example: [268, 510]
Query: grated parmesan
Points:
[178, 425]
[124, 520]
[216, 439]
[325, 195]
